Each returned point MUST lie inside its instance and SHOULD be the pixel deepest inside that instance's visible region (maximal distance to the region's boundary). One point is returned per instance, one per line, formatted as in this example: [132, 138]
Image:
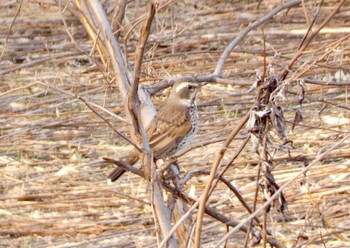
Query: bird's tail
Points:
[118, 172]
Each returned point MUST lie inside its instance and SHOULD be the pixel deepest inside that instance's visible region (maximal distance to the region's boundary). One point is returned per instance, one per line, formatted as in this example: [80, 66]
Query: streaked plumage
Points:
[172, 128]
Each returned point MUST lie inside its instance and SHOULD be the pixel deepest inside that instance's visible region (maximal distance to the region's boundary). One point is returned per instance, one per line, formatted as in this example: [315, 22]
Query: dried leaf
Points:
[301, 92]
[278, 121]
[269, 187]
[251, 121]
[255, 84]
[298, 117]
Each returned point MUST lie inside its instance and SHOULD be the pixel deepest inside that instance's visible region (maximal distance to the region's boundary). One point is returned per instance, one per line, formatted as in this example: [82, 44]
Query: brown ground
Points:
[53, 183]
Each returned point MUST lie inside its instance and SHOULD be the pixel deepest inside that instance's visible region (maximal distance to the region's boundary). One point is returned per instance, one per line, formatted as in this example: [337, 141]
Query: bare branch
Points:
[308, 40]
[90, 105]
[118, 16]
[241, 35]
[320, 82]
[133, 101]
[283, 187]
[125, 166]
[218, 157]
[10, 28]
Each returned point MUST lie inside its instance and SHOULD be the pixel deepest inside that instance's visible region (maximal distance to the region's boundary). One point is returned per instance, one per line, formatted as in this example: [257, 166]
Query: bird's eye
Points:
[190, 87]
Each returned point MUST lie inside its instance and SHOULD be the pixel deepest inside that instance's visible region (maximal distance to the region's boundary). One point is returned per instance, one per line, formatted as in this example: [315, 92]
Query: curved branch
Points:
[216, 75]
[251, 27]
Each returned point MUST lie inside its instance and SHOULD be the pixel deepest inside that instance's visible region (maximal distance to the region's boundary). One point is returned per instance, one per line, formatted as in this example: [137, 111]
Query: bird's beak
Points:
[197, 89]
[200, 85]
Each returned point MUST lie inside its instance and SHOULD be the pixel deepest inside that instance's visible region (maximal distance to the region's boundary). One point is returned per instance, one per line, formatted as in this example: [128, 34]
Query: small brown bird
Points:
[172, 128]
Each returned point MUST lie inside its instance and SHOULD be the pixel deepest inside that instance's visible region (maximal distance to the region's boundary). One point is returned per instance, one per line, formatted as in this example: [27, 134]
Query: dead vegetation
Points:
[53, 180]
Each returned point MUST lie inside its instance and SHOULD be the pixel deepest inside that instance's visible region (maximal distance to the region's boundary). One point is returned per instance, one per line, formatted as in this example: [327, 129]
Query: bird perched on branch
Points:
[173, 127]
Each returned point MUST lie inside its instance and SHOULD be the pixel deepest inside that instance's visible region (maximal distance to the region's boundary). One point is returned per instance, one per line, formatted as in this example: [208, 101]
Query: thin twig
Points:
[311, 24]
[39, 61]
[283, 187]
[89, 104]
[242, 34]
[307, 41]
[125, 166]
[10, 28]
[133, 100]
[218, 157]
[161, 215]
[320, 82]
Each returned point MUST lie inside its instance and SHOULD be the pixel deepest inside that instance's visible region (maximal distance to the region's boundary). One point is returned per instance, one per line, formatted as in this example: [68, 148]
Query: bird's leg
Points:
[163, 166]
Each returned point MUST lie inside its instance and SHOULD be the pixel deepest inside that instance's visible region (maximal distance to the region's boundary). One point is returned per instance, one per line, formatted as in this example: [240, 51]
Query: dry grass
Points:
[53, 183]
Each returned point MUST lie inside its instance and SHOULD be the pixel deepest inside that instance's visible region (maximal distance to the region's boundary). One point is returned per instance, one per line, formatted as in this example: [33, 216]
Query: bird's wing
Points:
[167, 130]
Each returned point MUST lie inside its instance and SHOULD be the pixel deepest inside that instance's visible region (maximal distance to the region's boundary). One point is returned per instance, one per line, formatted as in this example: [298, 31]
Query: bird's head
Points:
[184, 92]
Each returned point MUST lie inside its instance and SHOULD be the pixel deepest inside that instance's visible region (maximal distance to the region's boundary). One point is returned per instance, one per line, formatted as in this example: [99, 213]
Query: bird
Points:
[172, 128]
